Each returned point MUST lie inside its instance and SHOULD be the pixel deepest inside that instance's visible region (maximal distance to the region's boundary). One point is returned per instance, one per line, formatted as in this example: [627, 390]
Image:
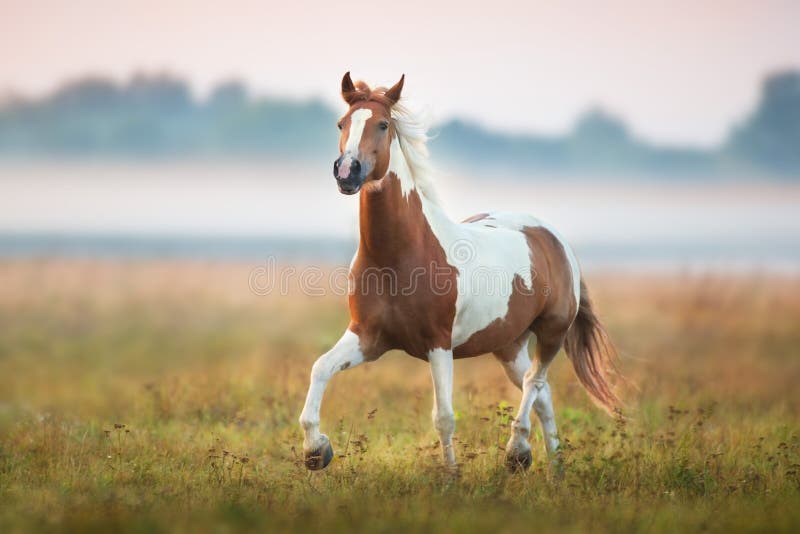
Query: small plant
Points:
[226, 467]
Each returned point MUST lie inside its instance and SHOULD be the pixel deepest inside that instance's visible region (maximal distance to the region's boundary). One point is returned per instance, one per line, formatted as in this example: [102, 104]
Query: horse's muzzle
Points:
[348, 174]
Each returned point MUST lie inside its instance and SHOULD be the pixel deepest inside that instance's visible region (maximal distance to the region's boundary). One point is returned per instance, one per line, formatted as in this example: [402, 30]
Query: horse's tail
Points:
[592, 353]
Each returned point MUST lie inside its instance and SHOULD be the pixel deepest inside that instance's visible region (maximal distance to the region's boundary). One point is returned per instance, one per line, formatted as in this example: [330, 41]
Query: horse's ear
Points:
[348, 89]
[393, 94]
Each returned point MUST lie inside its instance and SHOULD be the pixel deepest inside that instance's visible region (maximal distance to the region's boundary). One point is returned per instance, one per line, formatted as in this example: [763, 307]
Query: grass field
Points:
[165, 396]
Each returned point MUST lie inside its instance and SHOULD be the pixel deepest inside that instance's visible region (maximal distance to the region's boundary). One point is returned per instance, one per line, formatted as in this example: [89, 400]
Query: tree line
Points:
[156, 116]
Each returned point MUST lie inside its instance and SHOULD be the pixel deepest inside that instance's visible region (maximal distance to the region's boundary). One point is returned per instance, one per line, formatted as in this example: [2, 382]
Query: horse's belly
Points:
[499, 331]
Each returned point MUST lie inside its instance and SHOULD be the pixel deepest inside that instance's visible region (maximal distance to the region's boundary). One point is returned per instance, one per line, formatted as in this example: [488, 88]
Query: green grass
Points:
[149, 397]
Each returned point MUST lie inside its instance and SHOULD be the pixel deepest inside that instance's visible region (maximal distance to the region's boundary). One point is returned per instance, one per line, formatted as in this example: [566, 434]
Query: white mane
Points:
[412, 134]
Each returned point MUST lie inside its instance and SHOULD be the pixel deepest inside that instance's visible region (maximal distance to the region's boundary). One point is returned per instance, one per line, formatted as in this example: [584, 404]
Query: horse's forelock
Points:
[363, 93]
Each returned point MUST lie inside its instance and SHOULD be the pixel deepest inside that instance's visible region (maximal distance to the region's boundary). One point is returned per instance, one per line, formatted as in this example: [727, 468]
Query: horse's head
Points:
[367, 131]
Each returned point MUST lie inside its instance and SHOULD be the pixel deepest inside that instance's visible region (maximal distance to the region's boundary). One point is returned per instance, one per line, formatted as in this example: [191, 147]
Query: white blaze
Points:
[358, 120]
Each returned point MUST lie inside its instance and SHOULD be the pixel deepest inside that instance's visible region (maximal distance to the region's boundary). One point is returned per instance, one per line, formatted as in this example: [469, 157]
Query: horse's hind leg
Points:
[543, 405]
[552, 335]
[534, 386]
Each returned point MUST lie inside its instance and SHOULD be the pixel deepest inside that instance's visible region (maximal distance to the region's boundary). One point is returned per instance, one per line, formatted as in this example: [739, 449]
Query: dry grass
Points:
[164, 396]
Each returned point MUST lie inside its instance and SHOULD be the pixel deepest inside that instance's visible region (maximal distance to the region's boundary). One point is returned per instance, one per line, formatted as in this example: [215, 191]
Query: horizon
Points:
[692, 75]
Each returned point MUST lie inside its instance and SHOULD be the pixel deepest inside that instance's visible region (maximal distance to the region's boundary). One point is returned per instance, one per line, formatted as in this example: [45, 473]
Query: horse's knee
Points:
[320, 370]
[331, 363]
[535, 379]
[444, 422]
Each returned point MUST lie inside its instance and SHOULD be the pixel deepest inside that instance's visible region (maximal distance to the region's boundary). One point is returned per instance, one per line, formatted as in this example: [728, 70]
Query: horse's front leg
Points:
[346, 354]
[444, 420]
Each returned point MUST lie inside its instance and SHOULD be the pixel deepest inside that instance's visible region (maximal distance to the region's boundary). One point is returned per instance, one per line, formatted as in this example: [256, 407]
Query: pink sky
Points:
[677, 71]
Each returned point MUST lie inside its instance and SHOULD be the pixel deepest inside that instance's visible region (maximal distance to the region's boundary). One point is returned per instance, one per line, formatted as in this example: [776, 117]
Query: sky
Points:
[679, 72]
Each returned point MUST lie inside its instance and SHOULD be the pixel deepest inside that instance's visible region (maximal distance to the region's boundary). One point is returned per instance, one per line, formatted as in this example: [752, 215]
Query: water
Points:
[227, 211]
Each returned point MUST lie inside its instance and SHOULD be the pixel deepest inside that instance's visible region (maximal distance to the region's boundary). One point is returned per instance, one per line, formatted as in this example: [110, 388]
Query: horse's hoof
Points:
[519, 461]
[320, 457]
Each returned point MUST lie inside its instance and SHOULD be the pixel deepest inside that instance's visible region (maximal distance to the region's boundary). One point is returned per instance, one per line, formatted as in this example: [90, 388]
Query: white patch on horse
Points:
[488, 261]
[519, 221]
[399, 166]
[358, 120]
[408, 156]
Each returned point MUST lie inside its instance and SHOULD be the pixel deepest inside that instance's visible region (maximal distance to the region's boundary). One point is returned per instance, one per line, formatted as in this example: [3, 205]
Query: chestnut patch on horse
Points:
[403, 293]
[475, 218]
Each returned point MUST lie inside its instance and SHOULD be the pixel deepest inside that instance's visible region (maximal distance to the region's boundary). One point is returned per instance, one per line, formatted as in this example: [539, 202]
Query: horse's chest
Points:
[410, 307]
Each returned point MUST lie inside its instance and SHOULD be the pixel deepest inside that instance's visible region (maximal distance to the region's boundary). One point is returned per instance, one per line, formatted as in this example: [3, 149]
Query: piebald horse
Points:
[441, 290]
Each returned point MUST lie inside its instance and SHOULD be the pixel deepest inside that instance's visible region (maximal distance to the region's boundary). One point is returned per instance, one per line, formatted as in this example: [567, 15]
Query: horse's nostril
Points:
[336, 168]
[356, 166]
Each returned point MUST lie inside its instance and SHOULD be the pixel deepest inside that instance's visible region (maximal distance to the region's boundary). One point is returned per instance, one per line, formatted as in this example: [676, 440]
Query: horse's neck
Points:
[395, 213]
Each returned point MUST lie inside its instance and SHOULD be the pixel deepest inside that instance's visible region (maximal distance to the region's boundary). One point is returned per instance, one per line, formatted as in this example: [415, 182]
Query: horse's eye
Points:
[383, 125]
[339, 125]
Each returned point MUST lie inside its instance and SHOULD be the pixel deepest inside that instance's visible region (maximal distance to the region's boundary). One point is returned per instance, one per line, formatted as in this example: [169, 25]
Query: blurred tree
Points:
[597, 127]
[770, 137]
[601, 141]
[228, 96]
[160, 93]
[85, 94]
